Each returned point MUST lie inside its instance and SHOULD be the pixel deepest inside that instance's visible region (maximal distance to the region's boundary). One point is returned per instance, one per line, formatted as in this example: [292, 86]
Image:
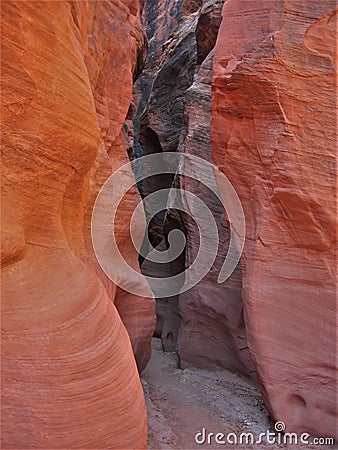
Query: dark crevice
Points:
[172, 97]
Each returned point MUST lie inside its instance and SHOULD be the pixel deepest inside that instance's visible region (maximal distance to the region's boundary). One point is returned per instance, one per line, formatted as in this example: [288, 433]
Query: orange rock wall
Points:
[69, 376]
[274, 136]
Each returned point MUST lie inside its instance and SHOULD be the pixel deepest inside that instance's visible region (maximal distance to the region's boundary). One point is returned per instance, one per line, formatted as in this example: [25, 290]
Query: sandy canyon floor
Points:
[181, 403]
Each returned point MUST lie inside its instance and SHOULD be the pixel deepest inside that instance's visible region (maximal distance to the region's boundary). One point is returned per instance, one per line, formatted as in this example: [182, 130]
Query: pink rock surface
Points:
[69, 378]
[212, 330]
[204, 325]
[274, 136]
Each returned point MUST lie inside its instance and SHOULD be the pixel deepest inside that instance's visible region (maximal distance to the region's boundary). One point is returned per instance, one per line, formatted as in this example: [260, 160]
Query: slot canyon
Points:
[173, 98]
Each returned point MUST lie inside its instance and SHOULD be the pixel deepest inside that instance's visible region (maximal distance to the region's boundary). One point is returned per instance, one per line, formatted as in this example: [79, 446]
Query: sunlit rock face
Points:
[273, 135]
[69, 375]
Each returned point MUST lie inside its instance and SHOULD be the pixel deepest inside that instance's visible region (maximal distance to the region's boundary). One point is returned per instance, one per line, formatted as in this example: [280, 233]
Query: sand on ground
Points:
[180, 403]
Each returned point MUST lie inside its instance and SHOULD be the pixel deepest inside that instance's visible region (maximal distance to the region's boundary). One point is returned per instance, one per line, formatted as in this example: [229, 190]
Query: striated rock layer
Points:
[204, 325]
[273, 135]
[69, 378]
[212, 329]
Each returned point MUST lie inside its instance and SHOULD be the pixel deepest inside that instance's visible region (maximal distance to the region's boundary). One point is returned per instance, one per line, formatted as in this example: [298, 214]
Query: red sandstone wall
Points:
[69, 375]
[274, 136]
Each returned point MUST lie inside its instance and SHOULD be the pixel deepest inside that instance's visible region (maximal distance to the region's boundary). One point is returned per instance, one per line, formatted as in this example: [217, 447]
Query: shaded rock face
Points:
[204, 325]
[273, 135]
[69, 378]
[212, 329]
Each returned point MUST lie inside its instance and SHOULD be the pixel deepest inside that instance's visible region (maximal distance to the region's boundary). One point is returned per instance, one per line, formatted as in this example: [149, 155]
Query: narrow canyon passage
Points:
[168, 224]
[232, 82]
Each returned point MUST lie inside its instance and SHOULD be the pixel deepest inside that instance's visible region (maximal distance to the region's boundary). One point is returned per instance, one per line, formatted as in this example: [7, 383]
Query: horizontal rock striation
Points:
[273, 135]
[69, 378]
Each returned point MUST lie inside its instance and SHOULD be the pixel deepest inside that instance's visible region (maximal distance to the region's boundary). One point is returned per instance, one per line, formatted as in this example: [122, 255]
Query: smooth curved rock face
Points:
[273, 135]
[69, 378]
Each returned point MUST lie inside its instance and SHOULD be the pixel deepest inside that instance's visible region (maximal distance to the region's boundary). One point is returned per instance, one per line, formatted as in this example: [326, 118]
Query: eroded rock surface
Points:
[274, 135]
[212, 329]
[205, 325]
[69, 378]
